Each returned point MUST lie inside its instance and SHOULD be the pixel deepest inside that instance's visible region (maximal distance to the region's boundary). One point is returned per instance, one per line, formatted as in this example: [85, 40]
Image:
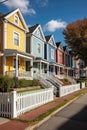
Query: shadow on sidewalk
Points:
[76, 122]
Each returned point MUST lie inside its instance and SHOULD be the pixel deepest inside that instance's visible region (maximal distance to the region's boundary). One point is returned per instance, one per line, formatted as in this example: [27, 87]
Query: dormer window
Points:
[16, 19]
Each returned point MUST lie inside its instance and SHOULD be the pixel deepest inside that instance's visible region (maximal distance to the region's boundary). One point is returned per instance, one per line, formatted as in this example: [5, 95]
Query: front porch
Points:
[18, 64]
[21, 74]
[56, 69]
[40, 66]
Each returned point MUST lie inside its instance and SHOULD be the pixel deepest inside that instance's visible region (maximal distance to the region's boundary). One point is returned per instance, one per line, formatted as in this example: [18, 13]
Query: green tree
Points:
[75, 35]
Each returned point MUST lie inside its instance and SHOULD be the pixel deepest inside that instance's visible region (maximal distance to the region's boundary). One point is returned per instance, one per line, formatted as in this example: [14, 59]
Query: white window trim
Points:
[14, 19]
[52, 54]
[19, 38]
[40, 48]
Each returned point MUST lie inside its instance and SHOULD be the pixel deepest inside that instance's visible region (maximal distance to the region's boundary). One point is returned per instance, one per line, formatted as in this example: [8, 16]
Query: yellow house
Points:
[13, 57]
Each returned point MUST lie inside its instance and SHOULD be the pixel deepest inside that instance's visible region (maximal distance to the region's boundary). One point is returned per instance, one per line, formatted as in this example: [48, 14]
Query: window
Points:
[60, 56]
[39, 48]
[16, 19]
[52, 53]
[16, 39]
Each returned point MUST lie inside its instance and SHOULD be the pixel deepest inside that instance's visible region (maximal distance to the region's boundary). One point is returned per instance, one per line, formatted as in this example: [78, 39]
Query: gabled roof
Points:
[31, 29]
[58, 44]
[48, 37]
[7, 15]
[34, 28]
[64, 48]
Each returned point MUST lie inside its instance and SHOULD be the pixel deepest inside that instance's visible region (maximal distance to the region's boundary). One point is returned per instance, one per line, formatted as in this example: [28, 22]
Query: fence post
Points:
[13, 104]
[60, 91]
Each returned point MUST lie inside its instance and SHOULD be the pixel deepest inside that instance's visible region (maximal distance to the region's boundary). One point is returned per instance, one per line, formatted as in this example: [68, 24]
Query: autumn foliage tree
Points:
[75, 35]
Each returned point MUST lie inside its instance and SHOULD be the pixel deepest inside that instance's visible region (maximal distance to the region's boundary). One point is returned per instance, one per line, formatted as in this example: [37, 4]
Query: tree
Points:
[75, 35]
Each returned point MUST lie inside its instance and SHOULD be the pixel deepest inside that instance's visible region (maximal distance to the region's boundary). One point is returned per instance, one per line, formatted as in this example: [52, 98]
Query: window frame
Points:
[17, 23]
[52, 54]
[39, 48]
[16, 39]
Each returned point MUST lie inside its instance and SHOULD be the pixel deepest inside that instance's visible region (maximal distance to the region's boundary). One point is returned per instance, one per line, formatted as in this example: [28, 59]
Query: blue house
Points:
[35, 41]
[50, 55]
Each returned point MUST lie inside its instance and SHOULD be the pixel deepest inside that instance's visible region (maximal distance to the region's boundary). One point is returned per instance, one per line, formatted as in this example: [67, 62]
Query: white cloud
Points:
[24, 6]
[54, 25]
[42, 3]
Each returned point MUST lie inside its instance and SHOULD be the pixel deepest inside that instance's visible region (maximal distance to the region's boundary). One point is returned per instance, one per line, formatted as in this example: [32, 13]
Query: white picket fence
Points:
[14, 104]
[65, 90]
[27, 101]
[6, 105]
[83, 85]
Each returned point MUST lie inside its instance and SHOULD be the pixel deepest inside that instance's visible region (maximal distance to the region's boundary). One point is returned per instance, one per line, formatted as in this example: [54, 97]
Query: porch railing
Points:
[20, 73]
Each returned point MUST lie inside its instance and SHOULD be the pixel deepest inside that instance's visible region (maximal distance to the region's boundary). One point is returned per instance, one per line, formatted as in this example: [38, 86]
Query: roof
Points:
[58, 44]
[7, 15]
[31, 29]
[14, 52]
[48, 37]
[2, 16]
[64, 48]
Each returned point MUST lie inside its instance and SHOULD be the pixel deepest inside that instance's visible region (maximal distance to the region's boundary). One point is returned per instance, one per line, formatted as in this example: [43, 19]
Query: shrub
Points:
[5, 83]
[27, 83]
[15, 82]
[66, 80]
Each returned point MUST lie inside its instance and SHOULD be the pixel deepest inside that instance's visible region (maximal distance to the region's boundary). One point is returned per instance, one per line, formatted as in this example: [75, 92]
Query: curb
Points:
[48, 117]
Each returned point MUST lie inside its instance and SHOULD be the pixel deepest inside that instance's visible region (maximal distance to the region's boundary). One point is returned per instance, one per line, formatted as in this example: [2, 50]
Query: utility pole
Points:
[3, 1]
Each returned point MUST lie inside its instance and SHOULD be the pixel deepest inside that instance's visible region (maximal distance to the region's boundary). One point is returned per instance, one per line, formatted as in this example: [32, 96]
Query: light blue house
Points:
[50, 55]
[35, 45]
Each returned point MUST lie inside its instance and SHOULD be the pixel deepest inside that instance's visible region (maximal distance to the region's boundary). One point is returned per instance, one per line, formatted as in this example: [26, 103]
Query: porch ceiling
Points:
[55, 64]
[11, 52]
[41, 60]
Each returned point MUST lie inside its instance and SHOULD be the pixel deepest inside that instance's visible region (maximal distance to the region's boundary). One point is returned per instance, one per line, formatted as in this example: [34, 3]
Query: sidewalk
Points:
[23, 121]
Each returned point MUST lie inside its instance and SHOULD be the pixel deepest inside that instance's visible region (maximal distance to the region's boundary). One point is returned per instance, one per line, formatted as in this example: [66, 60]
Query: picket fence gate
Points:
[14, 104]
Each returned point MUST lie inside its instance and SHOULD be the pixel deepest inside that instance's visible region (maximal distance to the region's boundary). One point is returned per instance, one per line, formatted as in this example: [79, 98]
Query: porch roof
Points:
[13, 52]
[56, 64]
[38, 59]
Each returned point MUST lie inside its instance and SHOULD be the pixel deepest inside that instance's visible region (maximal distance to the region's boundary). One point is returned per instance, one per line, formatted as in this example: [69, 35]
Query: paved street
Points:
[73, 117]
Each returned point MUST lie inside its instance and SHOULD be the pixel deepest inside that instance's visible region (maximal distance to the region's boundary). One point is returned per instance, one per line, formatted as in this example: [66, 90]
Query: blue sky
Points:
[53, 15]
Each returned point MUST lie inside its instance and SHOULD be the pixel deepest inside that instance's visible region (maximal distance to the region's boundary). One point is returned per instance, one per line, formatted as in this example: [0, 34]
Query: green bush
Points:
[15, 82]
[66, 80]
[5, 83]
[27, 83]
[82, 80]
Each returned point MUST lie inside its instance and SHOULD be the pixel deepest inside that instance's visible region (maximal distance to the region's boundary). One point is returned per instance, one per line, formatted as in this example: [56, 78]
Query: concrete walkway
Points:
[31, 115]
[3, 120]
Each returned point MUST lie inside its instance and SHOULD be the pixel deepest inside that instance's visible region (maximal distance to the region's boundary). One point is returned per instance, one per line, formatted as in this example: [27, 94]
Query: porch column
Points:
[31, 63]
[40, 68]
[59, 71]
[67, 71]
[4, 65]
[16, 65]
[54, 69]
[48, 69]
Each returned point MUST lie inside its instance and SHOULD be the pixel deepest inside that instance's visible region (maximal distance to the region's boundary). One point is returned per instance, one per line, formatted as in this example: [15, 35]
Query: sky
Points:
[52, 15]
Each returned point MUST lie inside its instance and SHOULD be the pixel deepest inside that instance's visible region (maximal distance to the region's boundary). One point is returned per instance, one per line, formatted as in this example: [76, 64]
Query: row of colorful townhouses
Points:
[26, 52]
